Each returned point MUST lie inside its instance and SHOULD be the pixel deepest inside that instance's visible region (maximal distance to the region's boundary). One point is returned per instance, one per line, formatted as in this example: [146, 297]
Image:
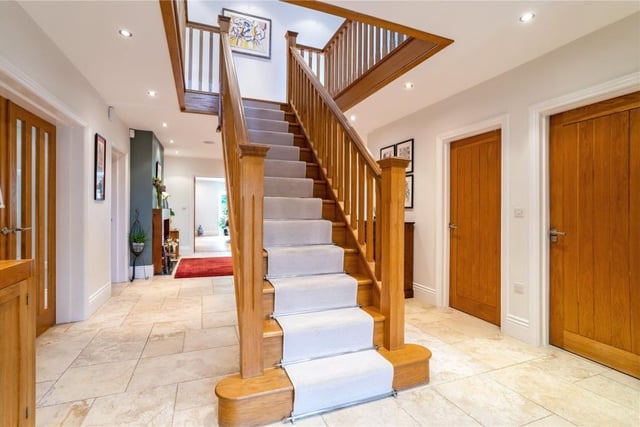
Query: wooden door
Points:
[28, 181]
[474, 270]
[594, 161]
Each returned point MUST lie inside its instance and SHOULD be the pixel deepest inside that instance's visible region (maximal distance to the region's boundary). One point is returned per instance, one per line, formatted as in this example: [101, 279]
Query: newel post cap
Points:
[252, 150]
[224, 22]
[393, 162]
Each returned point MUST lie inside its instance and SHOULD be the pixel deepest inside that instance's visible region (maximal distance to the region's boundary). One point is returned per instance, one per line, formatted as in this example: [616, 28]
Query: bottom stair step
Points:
[323, 384]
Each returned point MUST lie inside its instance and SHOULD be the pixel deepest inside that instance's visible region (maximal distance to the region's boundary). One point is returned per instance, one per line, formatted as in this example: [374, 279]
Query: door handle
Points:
[453, 226]
[553, 235]
[6, 230]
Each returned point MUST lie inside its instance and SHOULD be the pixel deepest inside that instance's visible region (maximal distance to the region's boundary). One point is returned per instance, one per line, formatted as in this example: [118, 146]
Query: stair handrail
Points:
[358, 184]
[244, 170]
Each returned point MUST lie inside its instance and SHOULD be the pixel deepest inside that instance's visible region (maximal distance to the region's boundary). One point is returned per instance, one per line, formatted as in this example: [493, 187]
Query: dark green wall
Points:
[146, 150]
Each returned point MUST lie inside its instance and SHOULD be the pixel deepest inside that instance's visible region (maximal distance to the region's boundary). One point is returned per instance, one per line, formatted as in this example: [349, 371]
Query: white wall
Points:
[266, 78]
[35, 74]
[179, 176]
[507, 99]
[207, 199]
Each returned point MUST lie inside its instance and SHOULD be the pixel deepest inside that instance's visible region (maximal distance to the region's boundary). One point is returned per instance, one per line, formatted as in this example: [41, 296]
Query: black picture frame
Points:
[260, 31]
[99, 168]
[408, 192]
[404, 150]
[388, 151]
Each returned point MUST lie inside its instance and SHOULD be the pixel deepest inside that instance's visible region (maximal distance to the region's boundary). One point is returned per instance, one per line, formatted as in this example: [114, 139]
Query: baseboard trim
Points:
[98, 298]
[142, 271]
[517, 327]
[424, 293]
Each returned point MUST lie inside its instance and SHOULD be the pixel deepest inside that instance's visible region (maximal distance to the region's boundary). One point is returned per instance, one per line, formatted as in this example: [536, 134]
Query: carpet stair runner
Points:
[328, 341]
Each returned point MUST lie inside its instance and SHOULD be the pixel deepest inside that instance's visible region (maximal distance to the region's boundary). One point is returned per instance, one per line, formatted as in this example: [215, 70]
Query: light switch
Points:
[518, 288]
[518, 213]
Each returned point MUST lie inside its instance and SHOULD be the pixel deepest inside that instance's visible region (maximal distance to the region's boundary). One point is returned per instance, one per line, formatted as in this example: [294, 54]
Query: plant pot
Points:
[137, 247]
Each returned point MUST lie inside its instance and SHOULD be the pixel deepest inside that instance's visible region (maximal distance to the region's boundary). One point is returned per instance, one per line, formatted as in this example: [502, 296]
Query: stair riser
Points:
[262, 113]
[351, 263]
[312, 171]
[273, 344]
[266, 124]
[329, 211]
[319, 189]
[365, 298]
[297, 233]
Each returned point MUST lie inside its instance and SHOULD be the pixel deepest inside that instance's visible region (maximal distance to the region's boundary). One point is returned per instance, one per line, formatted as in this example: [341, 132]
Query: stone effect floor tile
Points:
[181, 337]
[70, 414]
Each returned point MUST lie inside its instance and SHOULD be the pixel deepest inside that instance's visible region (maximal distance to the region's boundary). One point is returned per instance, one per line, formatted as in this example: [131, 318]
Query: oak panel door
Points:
[594, 161]
[28, 181]
[474, 270]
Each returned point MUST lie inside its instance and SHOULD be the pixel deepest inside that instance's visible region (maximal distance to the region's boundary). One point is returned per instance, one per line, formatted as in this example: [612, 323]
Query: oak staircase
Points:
[357, 196]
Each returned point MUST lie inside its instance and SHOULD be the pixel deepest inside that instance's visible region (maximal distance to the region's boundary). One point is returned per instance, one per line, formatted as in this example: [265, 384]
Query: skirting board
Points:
[98, 298]
[517, 327]
[424, 293]
[142, 271]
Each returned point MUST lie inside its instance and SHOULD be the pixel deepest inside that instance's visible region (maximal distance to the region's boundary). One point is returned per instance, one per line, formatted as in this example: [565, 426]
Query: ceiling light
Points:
[125, 33]
[164, 124]
[152, 93]
[177, 152]
[527, 17]
[209, 142]
[408, 86]
[353, 118]
[171, 141]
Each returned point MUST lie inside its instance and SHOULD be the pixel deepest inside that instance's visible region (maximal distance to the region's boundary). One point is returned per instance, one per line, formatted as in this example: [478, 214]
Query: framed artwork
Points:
[404, 149]
[389, 151]
[159, 171]
[99, 165]
[408, 192]
[249, 34]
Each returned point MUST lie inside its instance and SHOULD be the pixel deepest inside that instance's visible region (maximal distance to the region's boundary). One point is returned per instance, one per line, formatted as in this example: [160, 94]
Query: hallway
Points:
[154, 352]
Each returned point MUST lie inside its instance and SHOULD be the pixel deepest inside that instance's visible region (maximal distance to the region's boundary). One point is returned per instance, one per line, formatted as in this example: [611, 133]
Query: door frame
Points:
[119, 216]
[443, 174]
[539, 251]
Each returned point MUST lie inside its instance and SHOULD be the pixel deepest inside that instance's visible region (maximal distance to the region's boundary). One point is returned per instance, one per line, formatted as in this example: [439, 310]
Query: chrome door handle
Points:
[6, 230]
[453, 226]
[553, 234]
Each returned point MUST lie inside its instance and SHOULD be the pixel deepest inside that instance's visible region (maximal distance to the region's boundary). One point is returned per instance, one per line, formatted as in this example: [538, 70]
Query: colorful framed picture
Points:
[249, 34]
[404, 150]
[408, 192]
[99, 166]
[389, 151]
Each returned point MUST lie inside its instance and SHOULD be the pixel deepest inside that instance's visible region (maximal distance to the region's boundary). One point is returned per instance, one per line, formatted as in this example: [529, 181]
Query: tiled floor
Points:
[153, 353]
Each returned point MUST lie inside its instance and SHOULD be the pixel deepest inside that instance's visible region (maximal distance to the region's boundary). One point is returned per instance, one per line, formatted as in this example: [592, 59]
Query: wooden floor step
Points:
[272, 334]
[313, 171]
[365, 297]
[242, 401]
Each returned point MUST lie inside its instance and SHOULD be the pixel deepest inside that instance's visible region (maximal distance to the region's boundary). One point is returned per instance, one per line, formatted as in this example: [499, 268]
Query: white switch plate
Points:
[518, 288]
[518, 213]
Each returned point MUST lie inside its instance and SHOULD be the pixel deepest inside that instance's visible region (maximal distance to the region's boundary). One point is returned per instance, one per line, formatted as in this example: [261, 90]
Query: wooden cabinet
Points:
[174, 235]
[17, 344]
[159, 233]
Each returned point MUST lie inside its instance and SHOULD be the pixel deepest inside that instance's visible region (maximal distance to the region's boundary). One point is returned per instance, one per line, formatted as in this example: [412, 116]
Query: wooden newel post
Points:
[392, 228]
[291, 37]
[251, 264]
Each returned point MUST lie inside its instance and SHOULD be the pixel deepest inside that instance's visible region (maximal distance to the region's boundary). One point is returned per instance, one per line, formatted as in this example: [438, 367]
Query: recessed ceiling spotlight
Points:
[164, 124]
[408, 86]
[353, 118]
[125, 33]
[527, 17]
[152, 93]
[177, 152]
[171, 141]
[208, 142]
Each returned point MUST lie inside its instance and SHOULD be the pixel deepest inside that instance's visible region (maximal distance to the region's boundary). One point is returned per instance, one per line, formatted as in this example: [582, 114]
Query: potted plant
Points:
[138, 239]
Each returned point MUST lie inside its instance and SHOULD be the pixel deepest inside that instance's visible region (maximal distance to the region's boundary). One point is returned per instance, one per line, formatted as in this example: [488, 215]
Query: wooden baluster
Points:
[358, 58]
[210, 62]
[391, 211]
[385, 42]
[339, 159]
[344, 62]
[354, 186]
[371, 43]
[370, 198]
[200, 52]
[346, 172]
[190, 77]
[361, 205]
[251, 223]
[290, 37]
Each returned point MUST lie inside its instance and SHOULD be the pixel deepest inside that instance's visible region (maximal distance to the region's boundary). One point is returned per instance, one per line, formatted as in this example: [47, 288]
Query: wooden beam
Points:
[172, 32]
[356, 16]
[407, 56]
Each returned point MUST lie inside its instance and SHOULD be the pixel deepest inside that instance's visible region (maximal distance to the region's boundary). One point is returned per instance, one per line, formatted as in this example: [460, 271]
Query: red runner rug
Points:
[204, 267]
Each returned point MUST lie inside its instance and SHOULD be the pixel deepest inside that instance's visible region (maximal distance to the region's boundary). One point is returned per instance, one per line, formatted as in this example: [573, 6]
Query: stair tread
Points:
[362, 279]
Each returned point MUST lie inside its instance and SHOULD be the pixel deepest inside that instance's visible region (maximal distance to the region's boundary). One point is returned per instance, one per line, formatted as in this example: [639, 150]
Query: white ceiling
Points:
[489, 40]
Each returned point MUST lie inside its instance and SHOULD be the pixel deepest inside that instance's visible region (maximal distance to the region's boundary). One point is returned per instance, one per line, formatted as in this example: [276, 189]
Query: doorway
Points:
[210, 216]
[28, 180]
[594, 179]
[475, 224]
